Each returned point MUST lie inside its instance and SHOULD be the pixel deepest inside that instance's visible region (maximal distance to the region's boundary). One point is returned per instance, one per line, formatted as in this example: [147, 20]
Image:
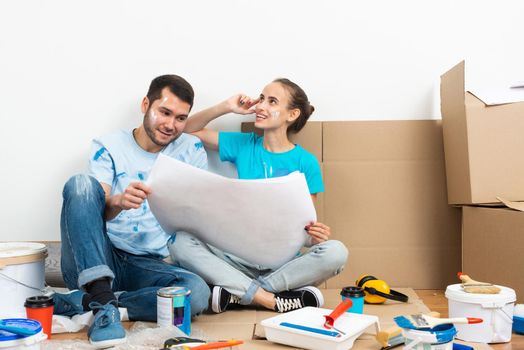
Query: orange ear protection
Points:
[377, 291]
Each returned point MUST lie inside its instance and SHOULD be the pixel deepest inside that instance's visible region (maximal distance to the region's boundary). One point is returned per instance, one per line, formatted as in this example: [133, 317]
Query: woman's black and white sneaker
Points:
[298, 298]
[222, 300]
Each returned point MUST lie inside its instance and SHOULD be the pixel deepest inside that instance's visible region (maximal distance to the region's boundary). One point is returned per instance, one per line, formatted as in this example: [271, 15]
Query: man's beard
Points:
[148, 127]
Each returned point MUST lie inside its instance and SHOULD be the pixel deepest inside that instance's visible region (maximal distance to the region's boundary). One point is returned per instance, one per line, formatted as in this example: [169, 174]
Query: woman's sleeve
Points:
[311, 170]
[231, 143]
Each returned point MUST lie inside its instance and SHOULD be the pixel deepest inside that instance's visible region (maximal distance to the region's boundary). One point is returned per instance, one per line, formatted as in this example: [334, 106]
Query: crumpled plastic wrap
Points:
[141, 336]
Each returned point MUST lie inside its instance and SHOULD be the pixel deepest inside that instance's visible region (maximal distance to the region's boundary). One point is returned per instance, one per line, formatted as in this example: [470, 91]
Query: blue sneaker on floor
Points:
[106, 330]
[68, 304]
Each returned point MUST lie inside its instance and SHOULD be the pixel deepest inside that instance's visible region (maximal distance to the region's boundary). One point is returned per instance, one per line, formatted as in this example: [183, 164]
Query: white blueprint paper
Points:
[261, 221]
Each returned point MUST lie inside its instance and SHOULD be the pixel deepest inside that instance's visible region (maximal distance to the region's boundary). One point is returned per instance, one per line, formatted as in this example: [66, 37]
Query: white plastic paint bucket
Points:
[21, 275]
[496, 310]
[20, 342]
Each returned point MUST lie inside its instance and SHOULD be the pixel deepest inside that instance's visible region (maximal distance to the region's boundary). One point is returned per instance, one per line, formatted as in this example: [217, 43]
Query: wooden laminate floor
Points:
[433, 299]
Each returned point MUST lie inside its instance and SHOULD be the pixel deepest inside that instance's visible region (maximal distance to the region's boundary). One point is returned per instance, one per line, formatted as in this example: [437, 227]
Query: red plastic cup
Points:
[40, 308]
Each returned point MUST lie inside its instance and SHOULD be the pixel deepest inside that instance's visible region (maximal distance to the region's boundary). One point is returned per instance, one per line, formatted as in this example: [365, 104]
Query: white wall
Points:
[71, 70]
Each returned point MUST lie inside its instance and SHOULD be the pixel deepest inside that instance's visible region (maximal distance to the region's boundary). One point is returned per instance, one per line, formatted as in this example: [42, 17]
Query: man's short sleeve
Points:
[199, 156]
[101, 165]
[230, 144]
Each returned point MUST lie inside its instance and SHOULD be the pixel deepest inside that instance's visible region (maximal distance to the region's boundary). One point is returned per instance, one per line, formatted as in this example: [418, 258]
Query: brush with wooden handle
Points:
[393, 336]
[469, 285]
[424, 321]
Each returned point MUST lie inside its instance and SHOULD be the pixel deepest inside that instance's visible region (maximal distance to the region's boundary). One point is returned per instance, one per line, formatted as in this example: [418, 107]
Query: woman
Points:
[282, 108]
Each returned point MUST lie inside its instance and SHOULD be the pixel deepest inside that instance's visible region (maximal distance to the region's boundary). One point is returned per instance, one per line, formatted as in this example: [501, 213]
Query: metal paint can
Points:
[173, 308]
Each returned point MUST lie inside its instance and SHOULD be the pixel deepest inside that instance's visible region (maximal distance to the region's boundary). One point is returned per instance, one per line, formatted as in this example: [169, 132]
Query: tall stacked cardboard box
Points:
[484, 152]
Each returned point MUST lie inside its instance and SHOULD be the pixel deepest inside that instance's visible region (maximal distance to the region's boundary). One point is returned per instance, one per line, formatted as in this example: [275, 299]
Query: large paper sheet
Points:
[261, 221]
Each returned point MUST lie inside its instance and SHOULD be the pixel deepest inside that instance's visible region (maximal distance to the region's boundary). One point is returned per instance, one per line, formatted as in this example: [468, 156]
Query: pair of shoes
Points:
[68, 304]
[222, 300]
[298, 298]
[106, 330]
[286, 301]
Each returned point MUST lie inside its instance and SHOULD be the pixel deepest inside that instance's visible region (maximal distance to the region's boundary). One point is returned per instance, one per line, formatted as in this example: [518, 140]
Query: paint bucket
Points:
[174, 308]
[437, 338]
[495, 309]
[356, 294]
[21, 275]
[12, 341]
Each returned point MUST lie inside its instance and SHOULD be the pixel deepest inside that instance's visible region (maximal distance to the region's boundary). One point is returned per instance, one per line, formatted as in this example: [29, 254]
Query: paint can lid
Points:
[39, 301]
[8, 339]
[352, 292]
[173, 291]
[15, 253]
[455, 292]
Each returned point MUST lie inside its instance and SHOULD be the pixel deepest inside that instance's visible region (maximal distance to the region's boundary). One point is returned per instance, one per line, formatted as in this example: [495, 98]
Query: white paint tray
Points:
[350, 323]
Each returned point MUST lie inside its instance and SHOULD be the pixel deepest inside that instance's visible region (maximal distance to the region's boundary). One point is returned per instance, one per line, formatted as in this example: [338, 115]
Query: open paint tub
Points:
[496, 310]
[304, 328]
[12, 341]
[21, 275]
[437, 338]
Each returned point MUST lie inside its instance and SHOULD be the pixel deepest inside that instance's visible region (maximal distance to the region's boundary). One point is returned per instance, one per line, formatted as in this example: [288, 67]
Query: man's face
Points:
[166, 118]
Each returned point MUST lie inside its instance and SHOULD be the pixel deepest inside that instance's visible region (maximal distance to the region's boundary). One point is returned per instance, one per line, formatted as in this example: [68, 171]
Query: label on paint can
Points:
[174, 308]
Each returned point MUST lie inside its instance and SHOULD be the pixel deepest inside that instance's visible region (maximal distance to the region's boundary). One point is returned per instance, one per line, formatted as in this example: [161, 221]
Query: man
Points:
[112, 246]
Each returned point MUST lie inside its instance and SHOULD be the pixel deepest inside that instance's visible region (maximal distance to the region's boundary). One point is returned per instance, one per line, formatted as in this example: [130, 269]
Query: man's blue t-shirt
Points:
[253, 161]
[117, 160]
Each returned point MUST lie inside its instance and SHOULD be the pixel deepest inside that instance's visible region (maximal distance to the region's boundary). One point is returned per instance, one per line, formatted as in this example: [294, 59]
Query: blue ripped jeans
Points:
[242, 278]
[88, 254]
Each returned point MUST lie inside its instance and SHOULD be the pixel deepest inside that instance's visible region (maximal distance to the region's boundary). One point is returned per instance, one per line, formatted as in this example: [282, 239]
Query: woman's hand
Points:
[241, 104]
[318, 231]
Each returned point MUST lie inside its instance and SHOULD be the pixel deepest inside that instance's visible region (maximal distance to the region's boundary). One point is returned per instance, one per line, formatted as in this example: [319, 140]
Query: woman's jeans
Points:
[242, 278]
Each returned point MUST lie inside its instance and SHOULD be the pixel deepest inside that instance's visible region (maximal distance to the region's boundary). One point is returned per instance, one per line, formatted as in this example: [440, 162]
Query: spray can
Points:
[174, 308]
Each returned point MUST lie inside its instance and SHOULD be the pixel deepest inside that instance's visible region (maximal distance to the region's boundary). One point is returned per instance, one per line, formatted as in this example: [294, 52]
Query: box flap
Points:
[492, 96]
[512, 204]
[454, 125]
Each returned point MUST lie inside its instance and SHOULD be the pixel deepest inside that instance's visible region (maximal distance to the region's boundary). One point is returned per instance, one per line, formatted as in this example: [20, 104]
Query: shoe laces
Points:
[106, 314]
[287, 304]
[233, 299]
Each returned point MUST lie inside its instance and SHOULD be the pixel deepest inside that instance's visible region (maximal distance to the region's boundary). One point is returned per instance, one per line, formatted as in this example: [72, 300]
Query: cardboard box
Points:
[483, 144]
[493, 246]
[386, 200]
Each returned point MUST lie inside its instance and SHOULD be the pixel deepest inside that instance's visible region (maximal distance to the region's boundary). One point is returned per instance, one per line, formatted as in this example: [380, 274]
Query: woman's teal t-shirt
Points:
[253, 161]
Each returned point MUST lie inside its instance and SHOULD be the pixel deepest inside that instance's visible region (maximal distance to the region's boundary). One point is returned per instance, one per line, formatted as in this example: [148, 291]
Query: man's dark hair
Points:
[176, 84]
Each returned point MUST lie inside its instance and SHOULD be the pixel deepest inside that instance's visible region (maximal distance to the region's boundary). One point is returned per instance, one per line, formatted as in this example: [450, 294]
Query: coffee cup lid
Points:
[39, 301]
[352, 292]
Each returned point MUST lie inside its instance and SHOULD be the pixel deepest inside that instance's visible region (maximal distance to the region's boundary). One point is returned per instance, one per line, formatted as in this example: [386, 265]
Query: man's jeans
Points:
[87, 255]
[242, 278]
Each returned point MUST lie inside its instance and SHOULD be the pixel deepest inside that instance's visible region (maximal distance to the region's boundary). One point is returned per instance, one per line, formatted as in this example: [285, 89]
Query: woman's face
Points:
[272, 111]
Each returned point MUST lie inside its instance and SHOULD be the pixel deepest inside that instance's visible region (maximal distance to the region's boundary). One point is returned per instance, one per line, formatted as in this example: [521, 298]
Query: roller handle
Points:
[218, 345]
[339, 310]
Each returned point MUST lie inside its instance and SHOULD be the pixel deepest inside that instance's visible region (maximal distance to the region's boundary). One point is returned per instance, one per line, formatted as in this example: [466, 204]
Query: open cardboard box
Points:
[483, 144]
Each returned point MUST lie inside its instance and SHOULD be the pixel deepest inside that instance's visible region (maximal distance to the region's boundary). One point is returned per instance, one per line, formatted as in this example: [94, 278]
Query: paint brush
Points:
[209, 346]
[471, 286]
[425, 321]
